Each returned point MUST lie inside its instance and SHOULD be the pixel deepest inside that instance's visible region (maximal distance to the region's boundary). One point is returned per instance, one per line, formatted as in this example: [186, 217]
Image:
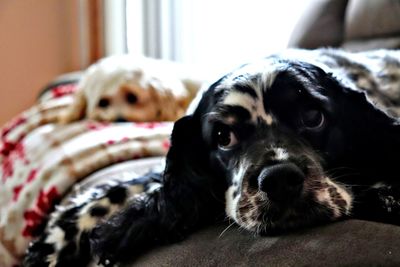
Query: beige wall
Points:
[39, 39]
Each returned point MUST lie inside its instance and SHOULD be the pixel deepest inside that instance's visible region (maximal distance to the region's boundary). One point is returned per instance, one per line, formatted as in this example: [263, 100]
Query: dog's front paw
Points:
[389, 199]
[128, 233]
[380, 203]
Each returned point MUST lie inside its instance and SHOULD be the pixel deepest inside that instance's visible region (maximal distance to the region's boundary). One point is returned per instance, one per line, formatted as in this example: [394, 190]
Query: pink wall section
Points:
[38, 41]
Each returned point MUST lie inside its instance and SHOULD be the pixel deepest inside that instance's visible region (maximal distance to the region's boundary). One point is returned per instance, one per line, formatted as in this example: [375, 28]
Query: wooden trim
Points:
[95, 22]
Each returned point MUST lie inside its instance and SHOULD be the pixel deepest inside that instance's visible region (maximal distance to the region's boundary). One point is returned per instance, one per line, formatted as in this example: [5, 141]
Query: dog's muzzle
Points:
[282, 182]
[277, 189]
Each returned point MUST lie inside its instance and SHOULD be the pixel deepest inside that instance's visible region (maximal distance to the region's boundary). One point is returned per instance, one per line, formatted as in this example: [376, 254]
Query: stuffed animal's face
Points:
[135, 99]
[115, 91]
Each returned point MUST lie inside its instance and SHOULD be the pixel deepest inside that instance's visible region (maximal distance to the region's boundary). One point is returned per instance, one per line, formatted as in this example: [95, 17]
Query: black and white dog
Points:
[296, 139]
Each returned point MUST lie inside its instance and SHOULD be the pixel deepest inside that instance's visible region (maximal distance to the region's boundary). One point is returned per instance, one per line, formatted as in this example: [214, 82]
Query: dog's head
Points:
[124, 89]
[289, 139]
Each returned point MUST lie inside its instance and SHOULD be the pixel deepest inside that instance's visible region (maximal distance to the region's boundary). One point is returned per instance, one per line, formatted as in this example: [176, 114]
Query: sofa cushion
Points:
[345, 243]
[355, 25]
[367, 19]
[321, 25]
[371, 44]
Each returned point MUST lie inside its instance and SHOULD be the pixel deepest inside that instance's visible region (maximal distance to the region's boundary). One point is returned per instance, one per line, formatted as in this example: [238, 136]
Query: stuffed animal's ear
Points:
[193, 86]
[171, 107]
[76, 110]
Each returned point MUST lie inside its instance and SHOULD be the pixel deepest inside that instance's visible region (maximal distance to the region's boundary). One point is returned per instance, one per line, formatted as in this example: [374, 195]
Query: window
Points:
[218, 33]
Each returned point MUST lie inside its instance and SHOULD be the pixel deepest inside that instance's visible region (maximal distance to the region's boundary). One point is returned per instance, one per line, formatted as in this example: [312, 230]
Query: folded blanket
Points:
[40, 161]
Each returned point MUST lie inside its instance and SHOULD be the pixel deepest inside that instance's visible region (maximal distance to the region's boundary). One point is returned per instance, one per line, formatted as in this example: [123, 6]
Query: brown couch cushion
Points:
[346, 243]
[355, 25]
[366, 19]
[376, 43]
[322, 25]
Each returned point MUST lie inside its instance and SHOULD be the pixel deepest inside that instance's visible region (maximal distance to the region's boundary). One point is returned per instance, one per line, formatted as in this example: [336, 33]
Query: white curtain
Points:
[217, 33]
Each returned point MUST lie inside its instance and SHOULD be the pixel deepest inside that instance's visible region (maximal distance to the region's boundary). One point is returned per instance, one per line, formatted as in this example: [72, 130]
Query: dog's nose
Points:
[282, 182]
[120, 119]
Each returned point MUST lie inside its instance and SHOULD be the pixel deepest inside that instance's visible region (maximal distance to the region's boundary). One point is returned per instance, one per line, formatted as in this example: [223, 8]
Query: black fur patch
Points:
[99, 211]
[245, 89]
[117, 194]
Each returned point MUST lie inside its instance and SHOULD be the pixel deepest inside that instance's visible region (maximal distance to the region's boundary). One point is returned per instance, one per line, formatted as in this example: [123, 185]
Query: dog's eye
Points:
[103, 103]
[312, 119]
[225, 138]
[130, 98]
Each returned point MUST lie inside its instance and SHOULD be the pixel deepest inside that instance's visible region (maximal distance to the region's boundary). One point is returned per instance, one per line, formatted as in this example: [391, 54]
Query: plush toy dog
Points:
[126, 88]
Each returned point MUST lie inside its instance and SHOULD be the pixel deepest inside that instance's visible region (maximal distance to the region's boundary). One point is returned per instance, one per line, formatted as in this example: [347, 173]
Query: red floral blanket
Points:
[40, 161]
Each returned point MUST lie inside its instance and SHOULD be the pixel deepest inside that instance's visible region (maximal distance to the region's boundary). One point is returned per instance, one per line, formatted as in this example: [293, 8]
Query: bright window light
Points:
[218, 33]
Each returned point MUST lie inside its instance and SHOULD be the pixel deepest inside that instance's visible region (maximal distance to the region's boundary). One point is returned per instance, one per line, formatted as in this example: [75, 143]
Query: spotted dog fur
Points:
[65, 241]
[293, 140]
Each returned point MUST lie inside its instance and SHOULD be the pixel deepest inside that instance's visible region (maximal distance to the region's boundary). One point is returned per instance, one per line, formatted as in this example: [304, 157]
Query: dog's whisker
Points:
[340, 168]
[226, 229]
[335, 178]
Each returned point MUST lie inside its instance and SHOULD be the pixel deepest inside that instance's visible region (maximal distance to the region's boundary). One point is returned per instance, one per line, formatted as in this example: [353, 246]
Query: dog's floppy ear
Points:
[191, 184]
[187, 151]
[354, 97]
[191, 197]
[76, 110]
[358, 129]
[348, 100]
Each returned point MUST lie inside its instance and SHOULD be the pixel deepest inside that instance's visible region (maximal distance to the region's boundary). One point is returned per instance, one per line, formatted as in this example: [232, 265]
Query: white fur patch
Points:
[264, 81]
[255, 107]
[52, 260]
[239, 99]
[87, 221]
[323, 196]
[56, 237]
[266, 73]
[231, 202]
[268, 119]
[378, 185]
[344, 195]
[280, 154]
[238, 175]
[136, 189]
